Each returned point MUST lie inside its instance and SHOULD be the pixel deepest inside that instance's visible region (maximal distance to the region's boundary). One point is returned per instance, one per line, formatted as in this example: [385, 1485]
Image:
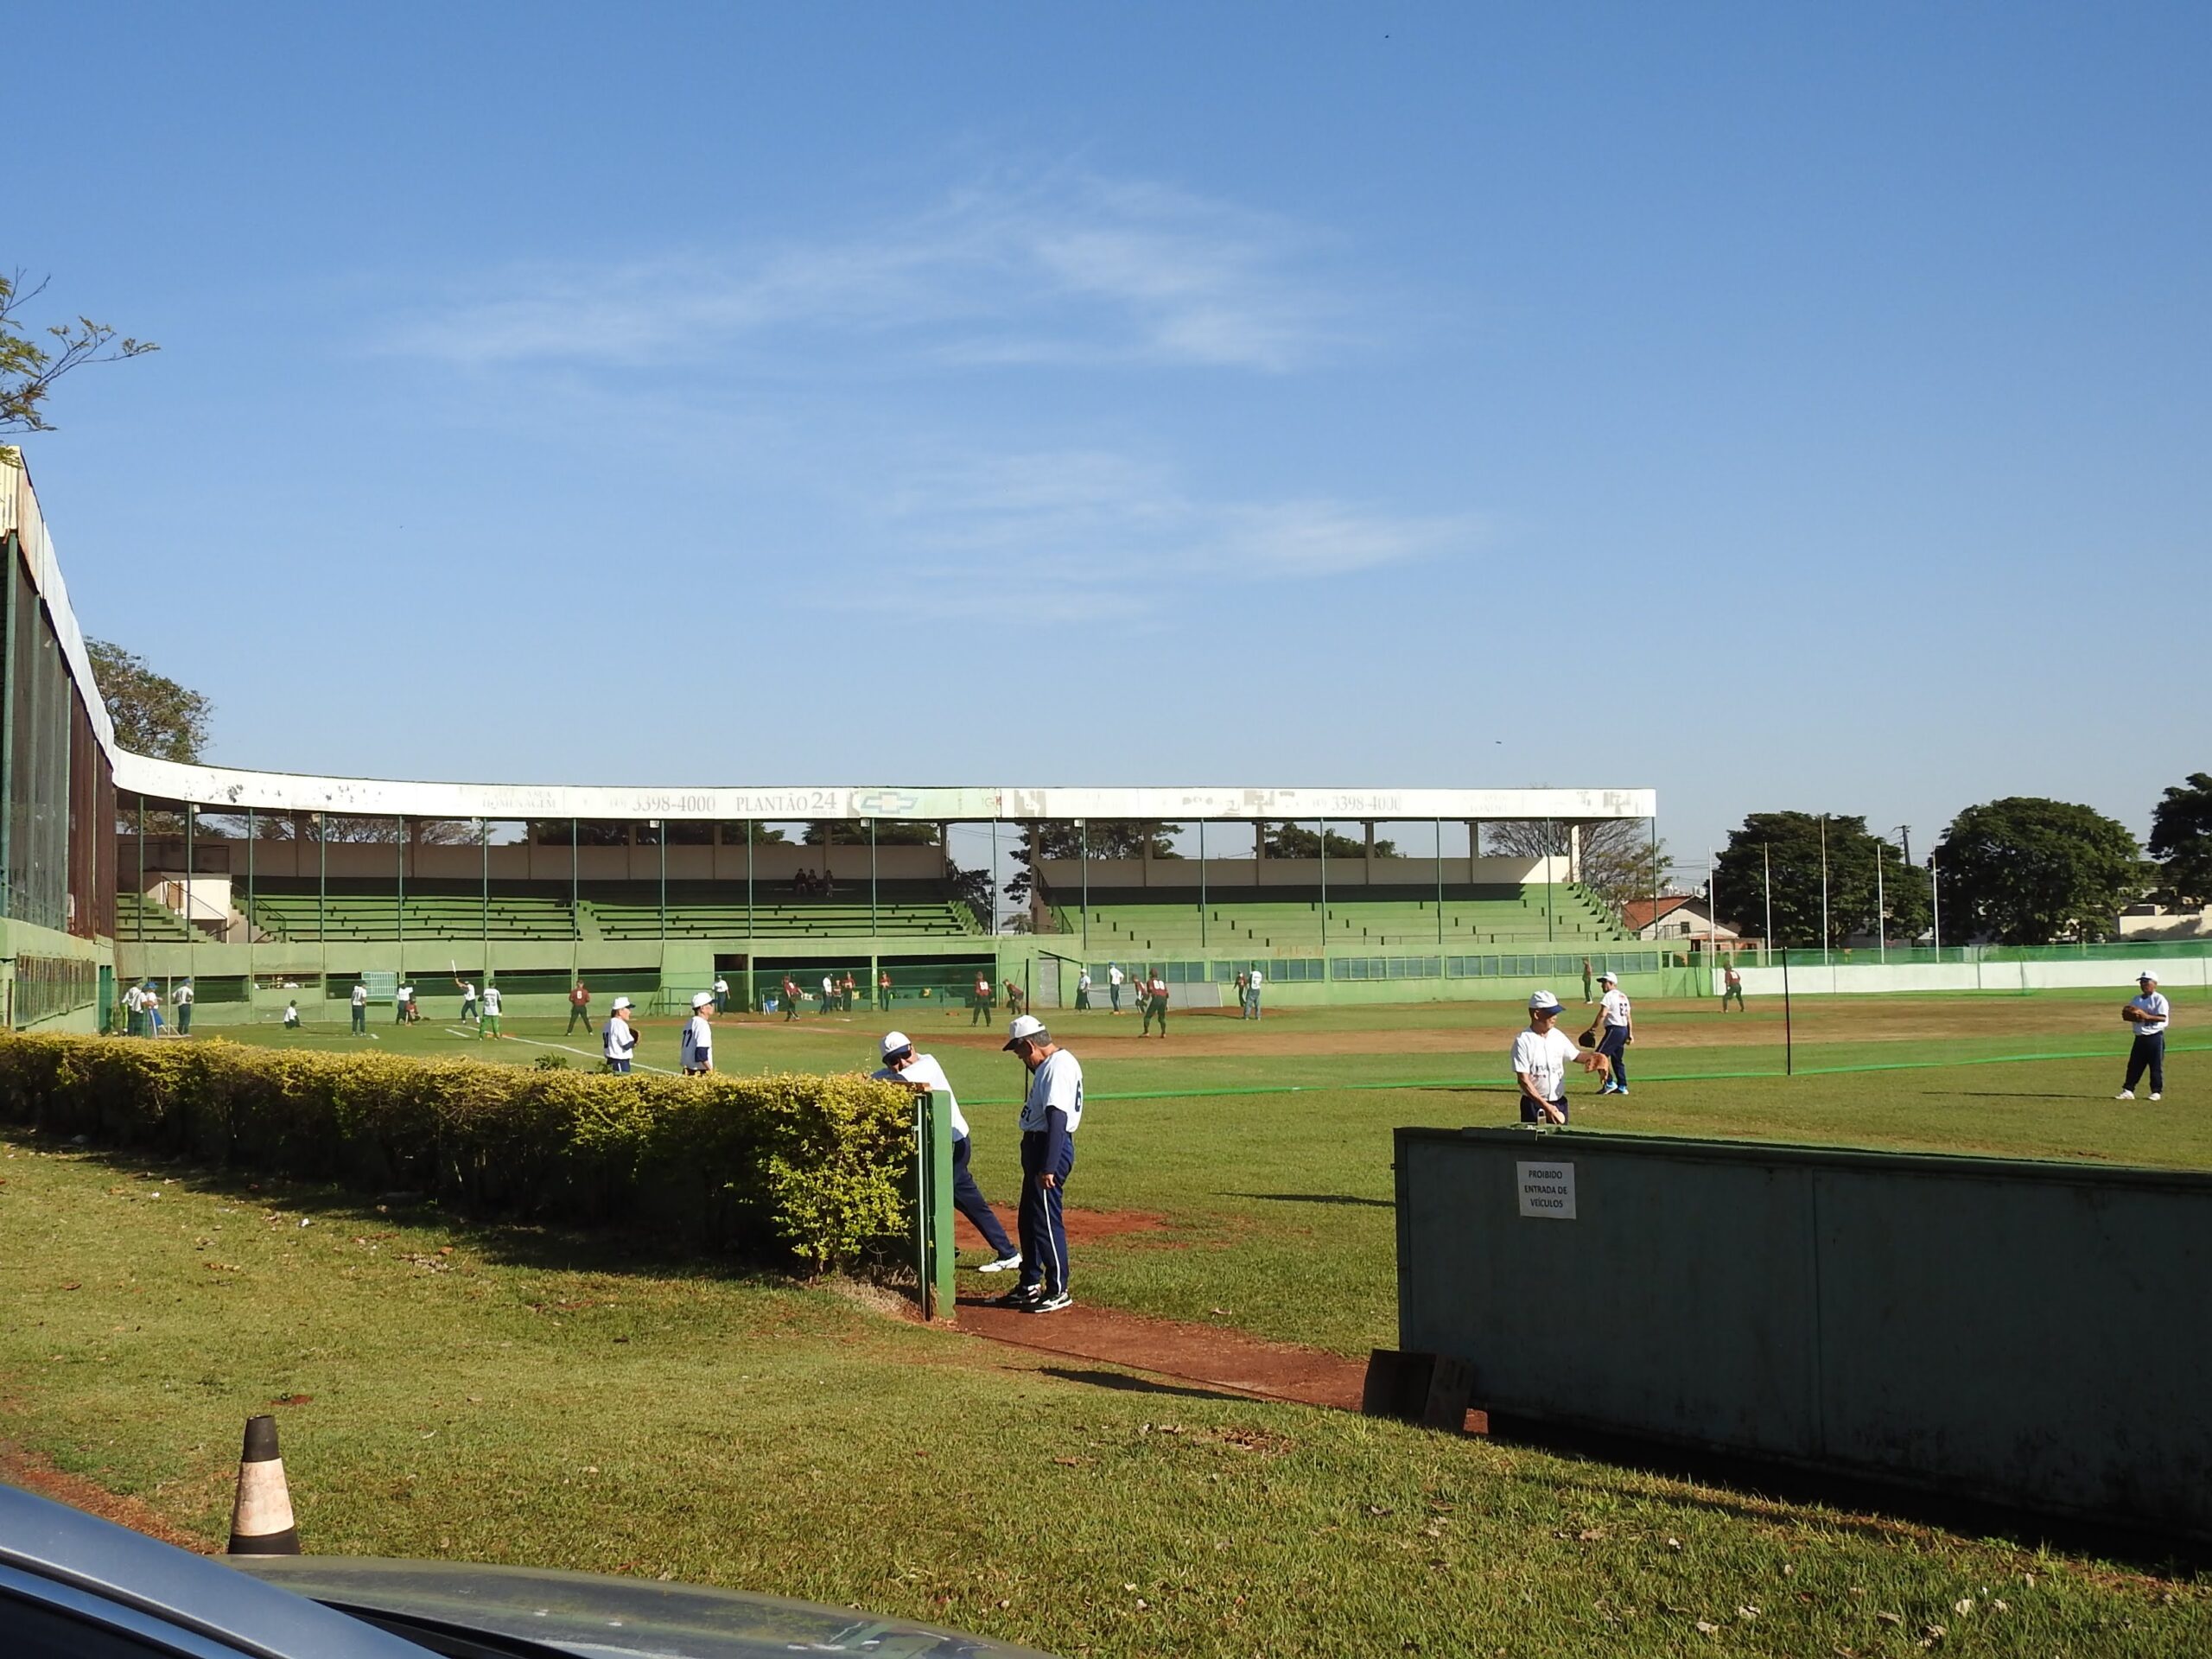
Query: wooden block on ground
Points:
[1397, 1383]
[1451, 1389]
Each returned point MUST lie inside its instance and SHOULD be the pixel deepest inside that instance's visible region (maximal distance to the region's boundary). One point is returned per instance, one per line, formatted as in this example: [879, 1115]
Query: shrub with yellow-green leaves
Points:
[815, 1170]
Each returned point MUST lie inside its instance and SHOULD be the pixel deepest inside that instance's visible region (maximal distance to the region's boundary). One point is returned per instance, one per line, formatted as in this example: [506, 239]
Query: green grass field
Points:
[514, 1393]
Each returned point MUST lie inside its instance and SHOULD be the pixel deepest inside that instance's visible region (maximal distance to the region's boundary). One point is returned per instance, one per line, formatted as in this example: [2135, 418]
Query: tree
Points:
[28, 368]
[1294, 840]
[1104, 838]
[1619, 862]
[152, 714]
[889, 832]
[1789, 844]
[2029, 871]
[2181, 835]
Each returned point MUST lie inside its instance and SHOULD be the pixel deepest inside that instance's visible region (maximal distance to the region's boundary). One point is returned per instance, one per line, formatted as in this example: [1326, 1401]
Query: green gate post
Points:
[933, 1246]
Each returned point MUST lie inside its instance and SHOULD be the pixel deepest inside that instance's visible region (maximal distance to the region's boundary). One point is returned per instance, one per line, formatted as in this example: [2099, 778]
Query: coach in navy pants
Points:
[1050, 1113]
[2149, 1012]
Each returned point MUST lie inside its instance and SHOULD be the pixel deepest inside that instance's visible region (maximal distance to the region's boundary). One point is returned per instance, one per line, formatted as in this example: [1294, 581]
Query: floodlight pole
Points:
[1824, 889]
[1766, 860]
[1936, 903]
[1881, 897]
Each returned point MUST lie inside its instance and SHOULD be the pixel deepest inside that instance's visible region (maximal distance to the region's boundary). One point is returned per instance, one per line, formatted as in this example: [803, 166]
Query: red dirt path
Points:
[1201, 1355]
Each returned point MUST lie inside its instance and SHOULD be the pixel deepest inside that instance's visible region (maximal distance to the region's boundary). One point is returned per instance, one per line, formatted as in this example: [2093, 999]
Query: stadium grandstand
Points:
[264, 887]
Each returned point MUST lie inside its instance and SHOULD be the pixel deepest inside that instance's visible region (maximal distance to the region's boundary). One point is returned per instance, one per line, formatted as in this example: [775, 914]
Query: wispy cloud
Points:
[1103, 535]
[1065, 269]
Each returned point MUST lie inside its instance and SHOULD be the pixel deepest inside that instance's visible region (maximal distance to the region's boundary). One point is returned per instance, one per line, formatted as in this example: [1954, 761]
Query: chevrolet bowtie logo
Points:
[885, 804]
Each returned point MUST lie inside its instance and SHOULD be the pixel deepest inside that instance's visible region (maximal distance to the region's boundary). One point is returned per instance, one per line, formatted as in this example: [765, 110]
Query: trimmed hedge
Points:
[812, 1170]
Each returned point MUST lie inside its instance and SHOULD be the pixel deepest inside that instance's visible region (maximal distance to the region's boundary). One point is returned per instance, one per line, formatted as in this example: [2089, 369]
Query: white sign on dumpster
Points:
[1546, 1190]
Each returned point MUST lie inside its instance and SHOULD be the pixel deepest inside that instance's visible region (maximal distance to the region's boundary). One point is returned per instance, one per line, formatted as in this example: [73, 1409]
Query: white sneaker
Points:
[2154, 1094]
[1004, 1264]
[2124, 1094]
[1051, 1303]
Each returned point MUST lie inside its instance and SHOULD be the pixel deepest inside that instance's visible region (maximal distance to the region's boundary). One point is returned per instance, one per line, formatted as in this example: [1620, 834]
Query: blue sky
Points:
[1778, 406]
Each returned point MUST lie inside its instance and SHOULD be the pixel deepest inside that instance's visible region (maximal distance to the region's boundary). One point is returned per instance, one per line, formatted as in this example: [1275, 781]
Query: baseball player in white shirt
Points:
[902, 1065]
[1540, 1057]
[487, 1023]
[2149, 1012]
[1614, 1030]
[618, 1037]
[697, 1052]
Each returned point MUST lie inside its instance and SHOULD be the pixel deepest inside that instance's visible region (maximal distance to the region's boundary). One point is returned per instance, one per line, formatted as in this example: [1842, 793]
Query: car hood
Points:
[605, 1618]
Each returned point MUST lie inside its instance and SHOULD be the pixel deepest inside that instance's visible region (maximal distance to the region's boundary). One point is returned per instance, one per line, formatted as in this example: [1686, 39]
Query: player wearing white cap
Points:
[1050, 1113]
[698, 1050]
[618, 1037]
[1540, 1057]
[2149, 1012]
[487, 1022]
[902, 1065]
[1614, 1029]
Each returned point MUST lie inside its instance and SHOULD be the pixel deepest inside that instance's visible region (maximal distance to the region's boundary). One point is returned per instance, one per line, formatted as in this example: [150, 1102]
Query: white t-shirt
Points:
[360, 996]
[134, 999]
[924, 1068]
[407, 993]
[1613, 1007]
[1059, 1083]
[829, 987]
[698, 1041]
[1083, 981]
[491, 1000]
[1543, 1057]
[618, 1039]
[1113, 975]
[1255, 978]
[181, 996]
[291, 1014]
[721, 987]
[467, 992]
[2155, 1005]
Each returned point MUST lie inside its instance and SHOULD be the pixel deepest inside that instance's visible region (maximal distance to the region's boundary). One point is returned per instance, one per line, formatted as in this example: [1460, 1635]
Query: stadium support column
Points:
[139, 909]
[1082, 865]
[1322, 824]
[1551, 930]
[483, 892]
[660, 834]
[1824, 889]
[871, 878]
[321, 898]
[1654, 880]
[399, 895]
[191, 818]
[576, 895]
[1202, 886]
[1440, 889]
[748, 895]
[252, 833]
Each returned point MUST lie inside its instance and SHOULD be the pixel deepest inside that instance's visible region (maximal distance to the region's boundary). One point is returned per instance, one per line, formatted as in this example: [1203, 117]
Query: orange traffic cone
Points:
[261, 1519]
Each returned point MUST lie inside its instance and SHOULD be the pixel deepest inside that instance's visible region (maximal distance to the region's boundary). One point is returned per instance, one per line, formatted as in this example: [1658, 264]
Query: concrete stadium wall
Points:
[2001, 1329]
[774, 864]
[1875, 978]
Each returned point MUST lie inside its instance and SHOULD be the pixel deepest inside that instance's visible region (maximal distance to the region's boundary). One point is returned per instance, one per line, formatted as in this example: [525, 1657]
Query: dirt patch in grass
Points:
[34, 1474]
[1207, 1358]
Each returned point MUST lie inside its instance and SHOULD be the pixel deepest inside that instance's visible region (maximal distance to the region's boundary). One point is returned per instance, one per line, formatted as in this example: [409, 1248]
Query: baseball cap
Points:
[1544, 1003]
[2153, 978]
[702, 1000]
[1609, 977]
[619, 1004]
[895, 1041]
[1023, 1028]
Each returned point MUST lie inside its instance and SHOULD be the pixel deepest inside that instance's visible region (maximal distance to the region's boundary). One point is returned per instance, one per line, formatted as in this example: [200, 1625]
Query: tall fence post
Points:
[933, 1246]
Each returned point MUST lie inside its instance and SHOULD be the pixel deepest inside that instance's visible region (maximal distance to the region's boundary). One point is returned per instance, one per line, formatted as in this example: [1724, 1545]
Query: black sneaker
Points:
[1052, 1304]
[1020, 1296]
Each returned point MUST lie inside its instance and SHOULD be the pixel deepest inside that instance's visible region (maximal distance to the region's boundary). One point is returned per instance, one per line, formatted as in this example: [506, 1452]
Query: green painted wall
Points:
[19, 939]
